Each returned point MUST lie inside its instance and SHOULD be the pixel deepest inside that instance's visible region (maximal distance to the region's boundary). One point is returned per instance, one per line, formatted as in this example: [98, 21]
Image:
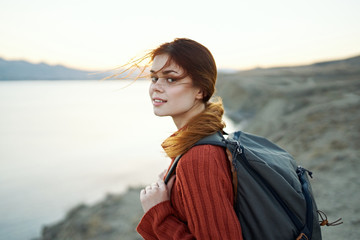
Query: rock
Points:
[116, 217]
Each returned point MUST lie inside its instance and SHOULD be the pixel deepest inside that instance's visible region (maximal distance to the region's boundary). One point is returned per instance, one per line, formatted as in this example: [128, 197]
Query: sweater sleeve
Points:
[205, 194]
[160, 223]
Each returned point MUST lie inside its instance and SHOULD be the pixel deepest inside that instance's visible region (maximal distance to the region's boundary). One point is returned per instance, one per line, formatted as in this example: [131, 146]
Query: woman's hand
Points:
[156, 193]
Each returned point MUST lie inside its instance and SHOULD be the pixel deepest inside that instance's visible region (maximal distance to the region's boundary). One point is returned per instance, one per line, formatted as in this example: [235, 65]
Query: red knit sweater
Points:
[201, 205]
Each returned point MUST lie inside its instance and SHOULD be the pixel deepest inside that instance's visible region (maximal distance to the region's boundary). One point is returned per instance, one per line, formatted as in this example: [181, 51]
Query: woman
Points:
[197, 203]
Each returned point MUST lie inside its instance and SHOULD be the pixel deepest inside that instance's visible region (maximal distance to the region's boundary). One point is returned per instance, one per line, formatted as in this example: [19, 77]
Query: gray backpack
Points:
[273, 196]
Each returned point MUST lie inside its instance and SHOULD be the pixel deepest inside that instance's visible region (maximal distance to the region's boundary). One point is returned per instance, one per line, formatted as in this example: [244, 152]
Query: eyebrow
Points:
[164, 72]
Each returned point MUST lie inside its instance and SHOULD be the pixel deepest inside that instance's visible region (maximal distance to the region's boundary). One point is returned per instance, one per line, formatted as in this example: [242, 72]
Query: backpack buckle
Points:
[238, 148]
[302, 236]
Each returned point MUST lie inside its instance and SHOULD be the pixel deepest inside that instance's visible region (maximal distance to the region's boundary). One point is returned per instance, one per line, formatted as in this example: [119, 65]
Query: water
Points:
[67, 142]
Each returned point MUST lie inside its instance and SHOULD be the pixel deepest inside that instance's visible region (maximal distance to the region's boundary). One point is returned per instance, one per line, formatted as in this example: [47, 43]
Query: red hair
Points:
[199, 64]
[200, 126]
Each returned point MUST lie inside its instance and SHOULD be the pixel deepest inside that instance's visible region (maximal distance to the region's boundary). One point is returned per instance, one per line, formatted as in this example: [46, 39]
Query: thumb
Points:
[162, 174]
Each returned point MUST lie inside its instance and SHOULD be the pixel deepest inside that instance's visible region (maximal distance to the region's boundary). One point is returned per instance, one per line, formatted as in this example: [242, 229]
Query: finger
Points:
[161, 184]
[142, 195]
[154, 185]
[148, 188]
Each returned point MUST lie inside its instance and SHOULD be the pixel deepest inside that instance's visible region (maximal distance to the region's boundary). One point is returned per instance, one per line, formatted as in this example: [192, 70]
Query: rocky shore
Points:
[312, 111]
[114, 218]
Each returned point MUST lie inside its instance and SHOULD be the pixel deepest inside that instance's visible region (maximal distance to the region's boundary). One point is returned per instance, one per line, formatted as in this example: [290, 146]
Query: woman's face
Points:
[172, 96]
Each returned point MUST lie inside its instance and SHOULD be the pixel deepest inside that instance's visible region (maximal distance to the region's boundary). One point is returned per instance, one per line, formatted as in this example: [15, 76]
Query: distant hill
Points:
[23, 70]
[346, 66]
[257, 85]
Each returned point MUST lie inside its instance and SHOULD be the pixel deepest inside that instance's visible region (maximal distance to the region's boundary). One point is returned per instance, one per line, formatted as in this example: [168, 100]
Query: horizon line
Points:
[279, 65]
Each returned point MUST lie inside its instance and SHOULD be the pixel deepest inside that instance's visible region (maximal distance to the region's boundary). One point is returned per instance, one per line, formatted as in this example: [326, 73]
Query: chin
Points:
[159, 114]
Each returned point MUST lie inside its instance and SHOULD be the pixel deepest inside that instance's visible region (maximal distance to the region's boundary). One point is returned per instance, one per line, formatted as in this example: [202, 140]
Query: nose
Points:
[157, 86]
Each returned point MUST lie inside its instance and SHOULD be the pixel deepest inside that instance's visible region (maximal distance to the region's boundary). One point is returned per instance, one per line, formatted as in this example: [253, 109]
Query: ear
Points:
[200, 94]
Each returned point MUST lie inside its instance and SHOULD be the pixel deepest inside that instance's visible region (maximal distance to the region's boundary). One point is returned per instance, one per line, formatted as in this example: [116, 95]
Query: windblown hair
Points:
[195, 59]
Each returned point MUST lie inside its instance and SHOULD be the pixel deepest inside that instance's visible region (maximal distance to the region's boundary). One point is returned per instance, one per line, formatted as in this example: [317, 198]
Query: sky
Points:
[101, 35]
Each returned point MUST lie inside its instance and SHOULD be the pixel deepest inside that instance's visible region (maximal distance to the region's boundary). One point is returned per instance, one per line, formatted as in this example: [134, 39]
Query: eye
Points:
[154, 79]
[170, 80]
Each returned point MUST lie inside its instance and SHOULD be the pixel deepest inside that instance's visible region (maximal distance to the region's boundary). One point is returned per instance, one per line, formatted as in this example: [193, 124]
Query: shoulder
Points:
[203, 157]
[204, 166]
[205, 152]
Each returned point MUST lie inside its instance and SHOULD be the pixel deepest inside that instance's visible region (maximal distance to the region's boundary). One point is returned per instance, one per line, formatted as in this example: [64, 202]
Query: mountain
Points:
[23, 70]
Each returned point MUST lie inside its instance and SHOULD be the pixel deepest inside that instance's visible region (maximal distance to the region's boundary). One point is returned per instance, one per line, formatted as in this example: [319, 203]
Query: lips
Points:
[158, 101]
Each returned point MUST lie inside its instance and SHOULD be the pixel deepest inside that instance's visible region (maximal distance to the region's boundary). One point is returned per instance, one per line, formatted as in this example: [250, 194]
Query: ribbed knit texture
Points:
[201, 204]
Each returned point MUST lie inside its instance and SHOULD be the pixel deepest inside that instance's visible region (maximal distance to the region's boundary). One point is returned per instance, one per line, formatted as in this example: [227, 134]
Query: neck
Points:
[181, 121]
[205, 123]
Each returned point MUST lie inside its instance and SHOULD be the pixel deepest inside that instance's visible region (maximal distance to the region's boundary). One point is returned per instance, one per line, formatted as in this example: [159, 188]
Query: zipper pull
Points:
[238, 148]
[300, 171]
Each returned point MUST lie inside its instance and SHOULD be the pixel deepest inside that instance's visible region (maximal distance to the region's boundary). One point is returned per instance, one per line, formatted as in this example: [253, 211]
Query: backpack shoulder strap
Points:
[171, 171]
[216, 139]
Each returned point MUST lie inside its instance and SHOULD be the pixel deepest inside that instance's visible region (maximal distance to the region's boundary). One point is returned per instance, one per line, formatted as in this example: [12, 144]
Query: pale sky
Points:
[104, 34]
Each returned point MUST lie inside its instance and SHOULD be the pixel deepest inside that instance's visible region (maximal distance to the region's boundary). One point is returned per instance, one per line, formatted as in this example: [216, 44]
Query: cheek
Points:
[175, 93]
[150, 90]
[182, 95]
